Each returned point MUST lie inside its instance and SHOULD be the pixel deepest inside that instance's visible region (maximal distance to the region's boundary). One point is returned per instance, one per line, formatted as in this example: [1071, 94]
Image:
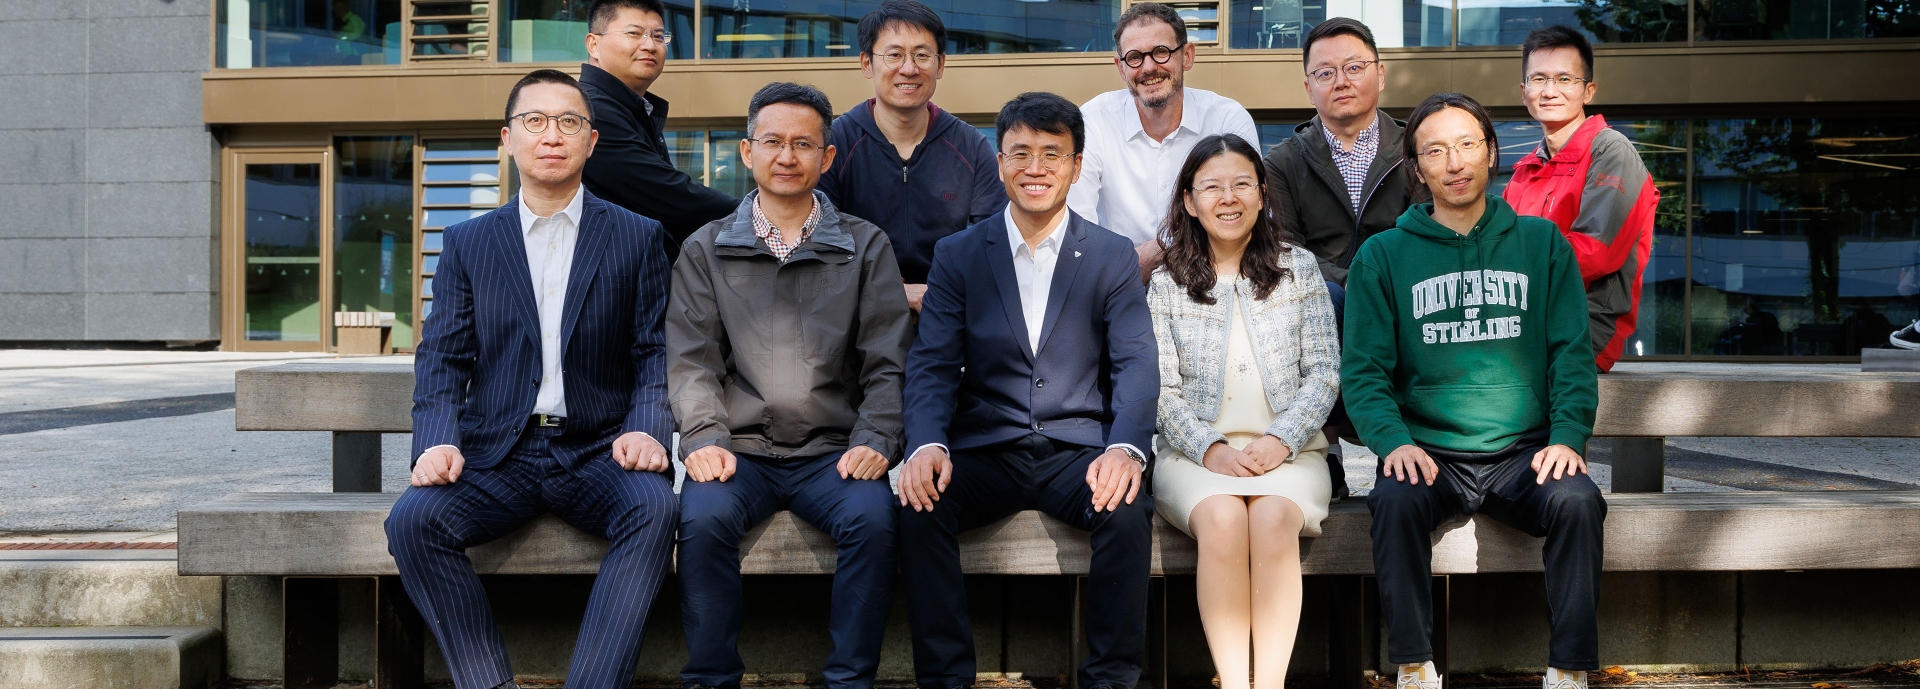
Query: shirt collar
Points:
[1017, 240]
[572, 212]
[1189, 117]
[764, 225]
[1369, 136]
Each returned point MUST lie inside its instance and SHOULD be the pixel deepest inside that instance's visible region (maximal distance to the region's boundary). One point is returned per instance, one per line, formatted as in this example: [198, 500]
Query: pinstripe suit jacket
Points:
[477, 369]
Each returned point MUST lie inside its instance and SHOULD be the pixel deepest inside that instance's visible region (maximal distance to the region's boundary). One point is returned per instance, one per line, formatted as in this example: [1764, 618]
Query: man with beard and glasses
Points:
[1138, 137]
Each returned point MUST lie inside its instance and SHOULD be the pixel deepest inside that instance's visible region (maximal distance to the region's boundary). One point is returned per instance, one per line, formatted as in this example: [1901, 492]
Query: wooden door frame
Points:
[233, 336]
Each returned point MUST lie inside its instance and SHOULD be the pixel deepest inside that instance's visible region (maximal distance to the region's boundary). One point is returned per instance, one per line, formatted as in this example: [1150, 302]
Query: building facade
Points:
[335, 138]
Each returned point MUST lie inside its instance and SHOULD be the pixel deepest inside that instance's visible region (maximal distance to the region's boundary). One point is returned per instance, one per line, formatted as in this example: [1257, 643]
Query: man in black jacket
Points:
[626, 52]
[1338, 180]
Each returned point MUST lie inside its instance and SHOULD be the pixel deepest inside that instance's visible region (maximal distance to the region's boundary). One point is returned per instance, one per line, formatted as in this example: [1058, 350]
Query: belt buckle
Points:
[548, 420]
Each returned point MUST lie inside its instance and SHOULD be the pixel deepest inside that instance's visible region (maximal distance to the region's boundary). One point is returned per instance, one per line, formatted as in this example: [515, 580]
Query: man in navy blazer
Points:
[1033, 384]
[540, 386]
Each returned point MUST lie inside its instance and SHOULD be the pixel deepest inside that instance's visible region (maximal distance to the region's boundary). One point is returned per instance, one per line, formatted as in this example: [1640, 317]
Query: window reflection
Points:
[1753, 20]
[298, 33]
[1507, 22]
[826, 28]
[556, 30]
[281, 234]
[373, 228]
[727, 173]
[1270, 24]
[1806, 235]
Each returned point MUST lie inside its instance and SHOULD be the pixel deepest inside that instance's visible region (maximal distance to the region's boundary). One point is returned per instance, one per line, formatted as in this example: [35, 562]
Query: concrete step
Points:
[103, 588]
[110, 657]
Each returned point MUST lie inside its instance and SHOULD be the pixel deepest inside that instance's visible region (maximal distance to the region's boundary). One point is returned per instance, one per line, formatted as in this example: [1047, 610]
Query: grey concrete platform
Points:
[110, 657]
[105, 588]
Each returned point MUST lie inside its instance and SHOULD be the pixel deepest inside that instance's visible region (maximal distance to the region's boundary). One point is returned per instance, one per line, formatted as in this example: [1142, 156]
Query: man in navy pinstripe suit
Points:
[540, 386]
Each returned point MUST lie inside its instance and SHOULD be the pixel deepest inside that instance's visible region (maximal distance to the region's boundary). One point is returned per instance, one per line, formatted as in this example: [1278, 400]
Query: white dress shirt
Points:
[1033, 271]
[550, 243]
[1126, 180]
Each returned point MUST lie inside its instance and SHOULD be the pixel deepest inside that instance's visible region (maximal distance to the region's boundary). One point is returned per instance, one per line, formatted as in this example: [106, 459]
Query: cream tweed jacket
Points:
[1295, 341]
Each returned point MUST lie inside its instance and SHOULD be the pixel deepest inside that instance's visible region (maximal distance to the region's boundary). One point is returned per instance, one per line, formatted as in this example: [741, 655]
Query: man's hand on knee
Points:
[862, 463]
[1558, 461]
[1408, 464]
[1114, 476]
[638, 451]
[924, 477]
[711, 463]
[438, 466]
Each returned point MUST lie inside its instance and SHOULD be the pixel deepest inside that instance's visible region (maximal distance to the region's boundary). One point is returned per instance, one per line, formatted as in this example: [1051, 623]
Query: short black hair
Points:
[1410, 146]
[603, 11]
[789, 92]
[546, 76]
[1337, 26]
[1042, 112]
[1150, 11]
[1557, 36]
[905, 12]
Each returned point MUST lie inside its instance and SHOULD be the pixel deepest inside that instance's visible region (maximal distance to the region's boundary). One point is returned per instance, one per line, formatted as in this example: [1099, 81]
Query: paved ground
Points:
[119, 441]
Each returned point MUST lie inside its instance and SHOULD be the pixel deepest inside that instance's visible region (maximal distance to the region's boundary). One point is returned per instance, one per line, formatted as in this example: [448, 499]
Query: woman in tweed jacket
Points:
[1249, 368]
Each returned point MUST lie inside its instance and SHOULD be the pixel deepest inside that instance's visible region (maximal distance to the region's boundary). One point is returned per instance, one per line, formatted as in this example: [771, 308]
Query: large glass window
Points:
[298, 33]
[1751, 20]
[556, 30]
[1507, 22]
[373, 228]
[460, 179]
[826, 28]
[1806, 235]
[281, 237]
[1267, 24]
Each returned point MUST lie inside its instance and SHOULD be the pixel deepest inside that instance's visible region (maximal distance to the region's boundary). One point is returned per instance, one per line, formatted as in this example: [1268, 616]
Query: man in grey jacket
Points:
[788, 335]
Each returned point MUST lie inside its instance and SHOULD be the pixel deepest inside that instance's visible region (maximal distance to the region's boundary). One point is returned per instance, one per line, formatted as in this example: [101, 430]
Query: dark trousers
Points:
[714, 515]
[1569, 512]
[431, 527]
[989, 484]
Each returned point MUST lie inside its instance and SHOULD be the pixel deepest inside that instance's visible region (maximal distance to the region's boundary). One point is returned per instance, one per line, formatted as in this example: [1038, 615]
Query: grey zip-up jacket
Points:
[787, 360]
[1309, 197]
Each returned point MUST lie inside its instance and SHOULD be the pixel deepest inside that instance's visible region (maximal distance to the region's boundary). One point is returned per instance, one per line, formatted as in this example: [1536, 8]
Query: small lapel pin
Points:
[1076, 254]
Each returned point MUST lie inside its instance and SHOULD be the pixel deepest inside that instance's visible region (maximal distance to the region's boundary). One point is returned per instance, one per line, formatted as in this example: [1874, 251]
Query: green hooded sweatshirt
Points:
[1465, 343]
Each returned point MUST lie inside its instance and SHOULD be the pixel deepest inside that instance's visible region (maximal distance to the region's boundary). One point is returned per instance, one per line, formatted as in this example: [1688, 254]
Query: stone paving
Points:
[94, 441]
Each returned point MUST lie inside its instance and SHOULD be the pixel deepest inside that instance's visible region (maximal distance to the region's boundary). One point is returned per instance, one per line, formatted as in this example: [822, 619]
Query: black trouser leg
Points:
[982, 490]
[1117, 576]
[1571, 513]
[1404, 516]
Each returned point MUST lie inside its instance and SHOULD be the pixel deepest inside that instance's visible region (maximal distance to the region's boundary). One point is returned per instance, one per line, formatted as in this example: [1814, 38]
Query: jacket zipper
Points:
[1353, 240]
[903, 173]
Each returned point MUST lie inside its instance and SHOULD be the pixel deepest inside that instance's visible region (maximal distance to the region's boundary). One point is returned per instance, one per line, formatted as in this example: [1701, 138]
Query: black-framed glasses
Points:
[536, 122]
[660, 36]
[896, 58]
[1021, 160]
[1563, 82]
[1353, 70]
[1437, 152]
[1212, 192]
[1160, 54]
[772, 146]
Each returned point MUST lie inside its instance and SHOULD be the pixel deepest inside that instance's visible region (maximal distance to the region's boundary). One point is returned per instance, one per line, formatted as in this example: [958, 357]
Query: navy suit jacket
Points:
[972, 380]
[477, 370]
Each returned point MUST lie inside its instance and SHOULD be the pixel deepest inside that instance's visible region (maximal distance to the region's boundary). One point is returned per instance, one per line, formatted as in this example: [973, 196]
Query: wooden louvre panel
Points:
[449, 30]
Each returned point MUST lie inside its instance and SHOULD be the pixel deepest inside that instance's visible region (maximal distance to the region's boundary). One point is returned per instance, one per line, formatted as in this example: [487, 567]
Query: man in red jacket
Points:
[1587, 179]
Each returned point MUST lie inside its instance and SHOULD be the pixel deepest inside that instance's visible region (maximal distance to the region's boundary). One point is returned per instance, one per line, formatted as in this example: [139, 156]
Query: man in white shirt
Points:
[540, 386]
[1138, 137]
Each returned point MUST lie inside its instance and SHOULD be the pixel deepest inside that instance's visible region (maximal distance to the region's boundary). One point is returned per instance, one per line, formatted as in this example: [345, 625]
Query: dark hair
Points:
[545, 76]
[905, 13]
[1337, 26]
[1189, 254]
[603, 11]
[1410, 145]
[1150, 11]
[1042, 112]
[1557, 36]
[787, 92]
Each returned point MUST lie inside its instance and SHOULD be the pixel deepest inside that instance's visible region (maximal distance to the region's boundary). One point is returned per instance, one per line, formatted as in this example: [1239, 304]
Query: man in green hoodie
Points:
[1468, 368]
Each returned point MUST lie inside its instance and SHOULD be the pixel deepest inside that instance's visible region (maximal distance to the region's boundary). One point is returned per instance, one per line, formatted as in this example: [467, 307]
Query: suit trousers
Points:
[1569, 512]
[989, 484]
[714, 515]
[431, 527]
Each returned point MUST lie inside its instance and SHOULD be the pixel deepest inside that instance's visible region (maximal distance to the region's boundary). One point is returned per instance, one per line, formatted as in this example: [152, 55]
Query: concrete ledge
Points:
[109, 657]
[140, 588]
[1890, 360]
[341, 534]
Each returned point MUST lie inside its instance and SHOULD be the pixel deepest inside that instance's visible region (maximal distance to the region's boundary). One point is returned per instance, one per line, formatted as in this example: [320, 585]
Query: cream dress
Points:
[1180, 482]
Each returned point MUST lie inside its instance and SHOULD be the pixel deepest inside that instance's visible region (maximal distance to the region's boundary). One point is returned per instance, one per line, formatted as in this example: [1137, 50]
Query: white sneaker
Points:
[1422, 676]
[1565, 679]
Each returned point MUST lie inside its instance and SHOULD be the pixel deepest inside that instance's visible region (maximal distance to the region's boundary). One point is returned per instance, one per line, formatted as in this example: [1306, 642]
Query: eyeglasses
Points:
[772, 146]
[1049, 161]
[1160, 54]
[1353, 70]
[1562, 82]
[1213, 192]
[535, 122]
[1438, 152]
[896, 58]
[660, 36]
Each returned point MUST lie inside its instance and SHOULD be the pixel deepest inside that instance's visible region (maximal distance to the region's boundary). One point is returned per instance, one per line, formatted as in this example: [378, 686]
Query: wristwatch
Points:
[1134, 454]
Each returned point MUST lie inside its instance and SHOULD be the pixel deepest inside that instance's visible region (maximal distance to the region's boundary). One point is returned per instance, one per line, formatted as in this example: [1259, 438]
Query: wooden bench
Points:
[313, 538]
